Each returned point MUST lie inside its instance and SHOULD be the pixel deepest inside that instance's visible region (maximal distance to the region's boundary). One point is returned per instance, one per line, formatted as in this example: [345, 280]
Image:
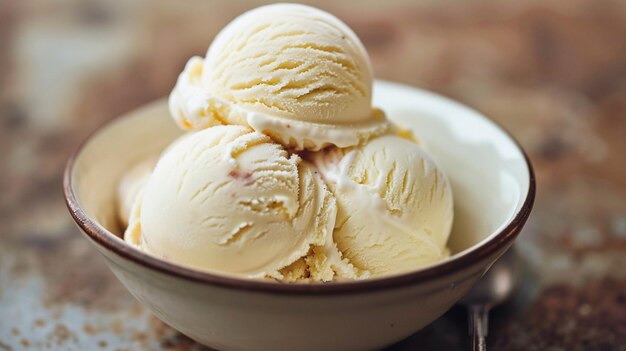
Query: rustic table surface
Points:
[553, 72]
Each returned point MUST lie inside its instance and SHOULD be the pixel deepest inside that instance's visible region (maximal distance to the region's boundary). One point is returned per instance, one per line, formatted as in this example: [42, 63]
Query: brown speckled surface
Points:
[553, 72]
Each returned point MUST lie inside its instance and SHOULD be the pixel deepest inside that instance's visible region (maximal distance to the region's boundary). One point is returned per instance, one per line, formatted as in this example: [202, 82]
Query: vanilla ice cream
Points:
[130, 185]
[395, 205]
[237, 196]
[229, 199]
[293, 72]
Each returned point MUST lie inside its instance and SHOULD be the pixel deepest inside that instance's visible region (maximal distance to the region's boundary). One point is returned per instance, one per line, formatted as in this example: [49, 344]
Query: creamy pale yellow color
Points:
[395, 205]
[133, 182]
[228, 199]
[290, 71]
[130, 186]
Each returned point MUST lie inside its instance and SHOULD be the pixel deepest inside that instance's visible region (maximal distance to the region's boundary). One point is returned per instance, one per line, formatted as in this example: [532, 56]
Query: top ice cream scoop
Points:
[293, 72]
[236, 195]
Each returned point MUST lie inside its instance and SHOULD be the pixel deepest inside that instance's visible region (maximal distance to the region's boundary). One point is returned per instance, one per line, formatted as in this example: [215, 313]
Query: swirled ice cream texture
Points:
[230, 200]
[237, 196]
[290, 71]
[395, 205]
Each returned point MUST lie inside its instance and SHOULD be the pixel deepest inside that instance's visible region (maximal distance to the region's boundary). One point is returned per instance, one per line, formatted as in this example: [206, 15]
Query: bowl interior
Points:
[487, 170]
[111, 151]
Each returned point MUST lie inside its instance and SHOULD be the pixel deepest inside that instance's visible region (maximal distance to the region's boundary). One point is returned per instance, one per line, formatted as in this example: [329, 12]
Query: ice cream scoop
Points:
[293, 72]
[230, 200]
[131, 183]
[394, 204]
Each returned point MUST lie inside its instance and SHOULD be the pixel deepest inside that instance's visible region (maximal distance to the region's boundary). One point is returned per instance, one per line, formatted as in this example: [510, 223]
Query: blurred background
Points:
[552, 72]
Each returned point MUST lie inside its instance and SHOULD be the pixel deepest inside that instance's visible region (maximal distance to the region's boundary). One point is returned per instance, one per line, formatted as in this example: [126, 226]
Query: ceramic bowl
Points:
[493, 186]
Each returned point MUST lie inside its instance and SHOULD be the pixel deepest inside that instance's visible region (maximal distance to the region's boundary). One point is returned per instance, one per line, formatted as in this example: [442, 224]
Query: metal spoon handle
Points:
[478, 322]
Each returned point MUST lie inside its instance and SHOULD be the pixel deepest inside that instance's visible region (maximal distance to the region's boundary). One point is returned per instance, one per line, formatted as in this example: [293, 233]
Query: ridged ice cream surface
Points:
[287, 171]
[228, 199]
[395, 206]
[290, 71]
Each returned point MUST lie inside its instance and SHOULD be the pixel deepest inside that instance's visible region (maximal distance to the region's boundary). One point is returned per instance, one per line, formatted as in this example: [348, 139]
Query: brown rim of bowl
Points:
[479, 252]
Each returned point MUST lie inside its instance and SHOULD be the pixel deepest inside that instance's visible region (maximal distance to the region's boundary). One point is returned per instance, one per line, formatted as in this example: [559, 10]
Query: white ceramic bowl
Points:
[493, 187]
